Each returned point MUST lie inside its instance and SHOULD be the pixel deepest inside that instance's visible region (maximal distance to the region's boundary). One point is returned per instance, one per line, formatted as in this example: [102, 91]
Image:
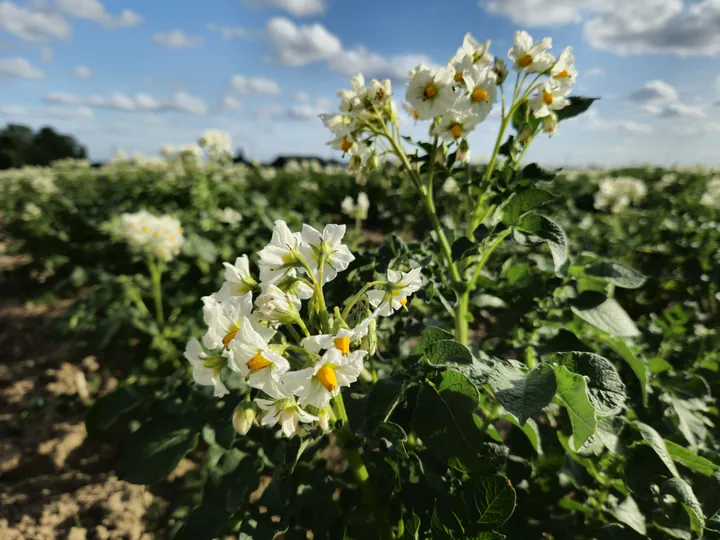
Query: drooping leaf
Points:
[548, 231]
[153, 451]
[629, 513]
[606, 389]
[615, 273]
[637, 364]
[523, 394]
[682, 491]
[530, 429]
[521, 202]
[494, 500]
[690, 459]
[460, 247]
[604, 313]
[657, 443]
[533, 171]
[577, 106]
[573, 395]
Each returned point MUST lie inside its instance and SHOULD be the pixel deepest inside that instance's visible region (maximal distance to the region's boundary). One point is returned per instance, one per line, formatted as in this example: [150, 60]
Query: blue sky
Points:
[136, 74]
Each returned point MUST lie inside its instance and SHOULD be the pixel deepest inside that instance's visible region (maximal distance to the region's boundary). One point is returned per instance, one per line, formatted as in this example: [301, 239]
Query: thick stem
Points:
[357, 466]
[461, 321]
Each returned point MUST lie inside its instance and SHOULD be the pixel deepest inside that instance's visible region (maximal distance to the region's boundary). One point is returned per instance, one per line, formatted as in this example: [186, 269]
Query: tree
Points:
[20, 146]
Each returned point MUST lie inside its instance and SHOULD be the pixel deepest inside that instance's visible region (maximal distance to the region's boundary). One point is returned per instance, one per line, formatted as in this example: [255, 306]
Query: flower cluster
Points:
[160, 236]
[255, 326]
[456, 97]
[356, 210]
[711, 197]
[216, 143]
[228, 215]
[617, 194]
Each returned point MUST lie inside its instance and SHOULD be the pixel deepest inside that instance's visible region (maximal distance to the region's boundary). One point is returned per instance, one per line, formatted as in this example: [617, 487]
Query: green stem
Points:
[357, 465]
[156, 279]
[461, 322]
[486, 255]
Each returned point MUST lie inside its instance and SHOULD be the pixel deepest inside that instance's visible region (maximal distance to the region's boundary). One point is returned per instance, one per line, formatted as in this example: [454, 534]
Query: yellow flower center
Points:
[257, 362]
[326, 376]
[525, 60]
[456, 131]
[343, 344]
[229, 337]
[480, 95]
[403, 301]
[144, 229]
[346, 145]
[547, 98]
[430, 91]
[458, 76]
[180, 229]
[562, 75]
[380, 95]
[416, 115]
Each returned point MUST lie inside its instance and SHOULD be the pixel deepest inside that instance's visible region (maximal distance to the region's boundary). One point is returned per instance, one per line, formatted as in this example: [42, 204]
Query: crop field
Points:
[410, 345]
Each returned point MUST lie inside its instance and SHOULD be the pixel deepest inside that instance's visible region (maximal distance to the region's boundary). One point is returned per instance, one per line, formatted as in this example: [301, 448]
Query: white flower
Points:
[224, 316]
[456, 124]
[353, 100]
[337, 123]
[340, 341]
[229, 216]
[281, 254]
[481, 85]
[344, 143]
[238, 280]
[359, 210]
[618, 193]
[460, 63]
[550, 123]
[252, 357]
[159, 235]
[531, 56]
[31, 211]
[216, 143]
[315, 386]
[430, 92]
[450, 186]
[360, 156]
[348, 206]
[243, 420]
[293, 285]
[283, 410]
[206, 368]
[324, 420]
[550, 97]
[711, 197]
[399, 286]
[564, 69]
[411, 111]
[274, 305]
[379, 92]
[478, 52]
[328, 248]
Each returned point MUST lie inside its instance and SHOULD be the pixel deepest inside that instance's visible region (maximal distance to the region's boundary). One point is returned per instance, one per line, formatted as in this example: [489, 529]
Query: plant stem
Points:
[156, 279]
[486, 255]
[357, 465]
[461, 322]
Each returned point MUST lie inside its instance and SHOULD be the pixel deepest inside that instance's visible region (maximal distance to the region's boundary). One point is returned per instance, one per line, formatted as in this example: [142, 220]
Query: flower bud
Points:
[500, 70]
[524, 135]
[550, 123]
[324, 420]
[243, 420]
[463, 152]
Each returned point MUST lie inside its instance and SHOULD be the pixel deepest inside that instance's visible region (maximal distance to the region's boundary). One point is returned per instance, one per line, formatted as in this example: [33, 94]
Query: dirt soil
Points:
[53, 482]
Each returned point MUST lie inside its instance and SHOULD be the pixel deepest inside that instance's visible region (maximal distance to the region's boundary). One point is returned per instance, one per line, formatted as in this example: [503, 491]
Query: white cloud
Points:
[623, 26]
[254, 85]
[628, 126]
[710, 128]
[229, 32]
[118, 101]
[19, 68]
[674, 110]
[177, 39]
[30, 25]
[82, 72]
[46, 54]
[373, 65]
[299, 8]
[93, 10]
[300, 45]
[655, 91]
[302, 97]
[594, 72]
[47, 112]
[230, 103]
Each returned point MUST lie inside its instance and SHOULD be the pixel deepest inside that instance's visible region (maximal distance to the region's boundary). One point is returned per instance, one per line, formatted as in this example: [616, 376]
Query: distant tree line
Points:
[19, 146]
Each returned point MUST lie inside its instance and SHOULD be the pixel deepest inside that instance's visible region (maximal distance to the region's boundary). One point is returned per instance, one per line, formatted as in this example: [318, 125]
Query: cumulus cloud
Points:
[299, 8]
[229, 32]
[82, 72]
[297, 45]
[176, 39]
[253, 85]
[19, 68]
[93, 10]
[231, 103]
[660, 99]
[626, 27]
[673, 110]
[119, 101]
[46, 112]
[300, 45]
[655, 91]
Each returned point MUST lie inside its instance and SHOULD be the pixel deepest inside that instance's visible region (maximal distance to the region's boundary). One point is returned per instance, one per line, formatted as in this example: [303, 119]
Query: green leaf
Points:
[153, 451]
[605, 388]
[577, 106]
[430, 335]
[495, 500]
[548, 231]
[530, 429]
[533, 171]
[412, 528]
[444, 422]
[690, 459]
[691, 421]
[393, 436]
[604, 313]
[629, 513]
[682, 491]
[657, 443]
[106, 410]
[523, 394]
[573, 395]
[382, 400]
[615, 273]
[637, 364]
[521, 202]
[442, 353]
